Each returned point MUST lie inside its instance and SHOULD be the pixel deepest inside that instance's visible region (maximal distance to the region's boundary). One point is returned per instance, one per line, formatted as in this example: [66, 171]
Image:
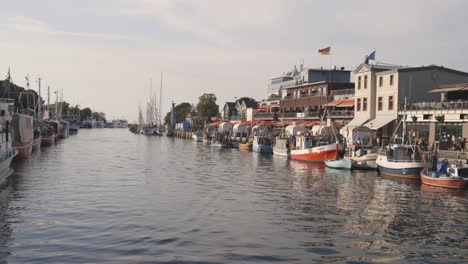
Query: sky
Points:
[103, 53]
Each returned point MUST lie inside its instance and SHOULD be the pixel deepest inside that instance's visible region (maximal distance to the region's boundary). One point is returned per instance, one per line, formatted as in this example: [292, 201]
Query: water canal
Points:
[109, 196]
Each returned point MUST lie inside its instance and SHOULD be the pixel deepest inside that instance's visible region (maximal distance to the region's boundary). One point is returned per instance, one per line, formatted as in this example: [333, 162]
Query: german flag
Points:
[325, 51]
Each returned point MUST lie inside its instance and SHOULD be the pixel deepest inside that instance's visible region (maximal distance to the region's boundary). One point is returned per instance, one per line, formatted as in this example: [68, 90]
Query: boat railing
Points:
[7, 100]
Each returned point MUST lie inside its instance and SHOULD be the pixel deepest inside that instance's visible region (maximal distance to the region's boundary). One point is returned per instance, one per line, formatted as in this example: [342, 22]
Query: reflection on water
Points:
[109, 196]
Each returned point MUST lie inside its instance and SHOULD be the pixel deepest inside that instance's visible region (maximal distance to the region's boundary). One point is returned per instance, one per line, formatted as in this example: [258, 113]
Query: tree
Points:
[274, 97]
[181, 111]
[85, 113]
[247, 100]
[206, 109]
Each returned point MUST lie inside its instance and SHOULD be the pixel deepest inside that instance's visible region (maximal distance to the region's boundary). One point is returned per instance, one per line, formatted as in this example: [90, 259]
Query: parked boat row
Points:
[321, 142]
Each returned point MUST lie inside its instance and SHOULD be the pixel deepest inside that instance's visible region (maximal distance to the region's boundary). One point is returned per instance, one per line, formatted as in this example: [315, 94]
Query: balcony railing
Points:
[342, 92]
[453, 105]
[288, 97]
[342, 114]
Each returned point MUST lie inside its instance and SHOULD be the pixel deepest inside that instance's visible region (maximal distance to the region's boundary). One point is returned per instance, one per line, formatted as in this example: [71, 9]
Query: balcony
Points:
[425, 106]
[343, 92]
[306, 101]
[342, 114]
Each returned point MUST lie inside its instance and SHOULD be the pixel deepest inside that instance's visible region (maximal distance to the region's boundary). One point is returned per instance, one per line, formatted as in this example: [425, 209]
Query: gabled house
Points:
[229, 111]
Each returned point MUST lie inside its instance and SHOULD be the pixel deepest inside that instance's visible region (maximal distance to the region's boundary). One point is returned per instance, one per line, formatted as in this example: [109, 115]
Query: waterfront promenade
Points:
[110, 196]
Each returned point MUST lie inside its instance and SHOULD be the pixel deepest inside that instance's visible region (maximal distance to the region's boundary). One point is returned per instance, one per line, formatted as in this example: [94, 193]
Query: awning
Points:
[379, 122]
[357, 121]
[449, 89]
[334, 103]
[346, 103]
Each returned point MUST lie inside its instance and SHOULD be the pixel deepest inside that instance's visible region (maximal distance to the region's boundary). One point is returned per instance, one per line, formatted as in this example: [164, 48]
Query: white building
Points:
[381, 89]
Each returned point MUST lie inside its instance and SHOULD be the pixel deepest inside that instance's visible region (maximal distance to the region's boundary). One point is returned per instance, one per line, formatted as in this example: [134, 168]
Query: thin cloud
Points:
[27, 24]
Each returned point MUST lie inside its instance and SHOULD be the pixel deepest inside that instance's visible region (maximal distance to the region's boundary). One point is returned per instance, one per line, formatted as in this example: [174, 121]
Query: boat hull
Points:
[5, 170]
[444, 182]
[24, 149]
[245, 146]
[410, 170]
[37, 143]
[345, 164]
[316, 154]
[260, 148]
[366, 162]
[47, 140]
[281, 152]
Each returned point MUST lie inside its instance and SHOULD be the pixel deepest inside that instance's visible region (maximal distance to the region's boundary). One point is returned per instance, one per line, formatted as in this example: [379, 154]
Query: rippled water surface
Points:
[109, 196]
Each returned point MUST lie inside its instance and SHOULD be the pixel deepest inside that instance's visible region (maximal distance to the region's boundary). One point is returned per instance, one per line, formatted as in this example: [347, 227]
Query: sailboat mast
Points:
[39, 99]
[160, 100]
[404, 123]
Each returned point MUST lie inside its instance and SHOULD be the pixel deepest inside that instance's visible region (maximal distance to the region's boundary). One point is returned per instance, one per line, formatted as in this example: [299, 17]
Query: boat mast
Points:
[404, 124]
[39, 99]
[160, 99]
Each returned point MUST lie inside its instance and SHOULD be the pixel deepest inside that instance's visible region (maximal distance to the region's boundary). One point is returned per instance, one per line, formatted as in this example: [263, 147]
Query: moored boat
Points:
[22, 135]
[7, 153]
[37, 139]
[344, 163]
[438, 179]
[262, 144]
[314, 149]
[246, 146]
[47, 134]
[400, 159]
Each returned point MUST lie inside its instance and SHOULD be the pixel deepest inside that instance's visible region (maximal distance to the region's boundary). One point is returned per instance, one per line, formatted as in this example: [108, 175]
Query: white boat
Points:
[364, 159]
[197, 137]
[345, 163]
[281, 147]
[119, 123]
[401, 159]
[7, 153]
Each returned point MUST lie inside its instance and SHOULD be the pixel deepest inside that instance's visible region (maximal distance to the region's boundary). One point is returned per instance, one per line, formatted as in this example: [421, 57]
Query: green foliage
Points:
[181, 111]
[274, 97]
[206, 108]
[440, 118]
[85, 113]
[247, 100]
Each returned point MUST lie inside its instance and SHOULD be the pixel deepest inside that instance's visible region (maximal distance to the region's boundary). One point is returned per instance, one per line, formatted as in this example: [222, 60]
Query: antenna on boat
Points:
[404, 123]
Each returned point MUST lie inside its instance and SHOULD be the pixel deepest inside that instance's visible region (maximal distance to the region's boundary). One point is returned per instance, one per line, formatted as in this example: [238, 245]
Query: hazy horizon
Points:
[103, 53]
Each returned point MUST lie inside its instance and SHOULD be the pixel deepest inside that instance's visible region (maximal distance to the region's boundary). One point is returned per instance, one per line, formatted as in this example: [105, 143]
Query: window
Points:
[391, 79]
[358, 104]
[380, 81]
[365, 81]
[364, 104]
[390, 102]
[380, 103]
[359, 82]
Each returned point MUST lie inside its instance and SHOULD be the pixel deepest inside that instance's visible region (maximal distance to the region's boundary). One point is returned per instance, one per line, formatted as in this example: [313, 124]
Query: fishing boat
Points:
[63, 131]
[22, 135]
[7, 153]
[47, 134]
[262, 139]
[37, 139]
[316, 148]
[400, 159]
[282, 144]
[344, 163]
[247, 146]
[363, 158]
[438, 179]
[262, 144]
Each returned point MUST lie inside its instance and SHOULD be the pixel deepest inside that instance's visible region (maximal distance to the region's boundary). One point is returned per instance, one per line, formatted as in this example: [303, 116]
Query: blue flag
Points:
[371, 56]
